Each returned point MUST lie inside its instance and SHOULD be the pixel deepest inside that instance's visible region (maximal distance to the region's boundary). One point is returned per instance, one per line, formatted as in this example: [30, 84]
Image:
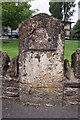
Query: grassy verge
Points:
[11, 47]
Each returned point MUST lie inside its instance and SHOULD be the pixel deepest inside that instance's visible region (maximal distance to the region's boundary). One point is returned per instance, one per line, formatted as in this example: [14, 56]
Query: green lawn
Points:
[11, 47]
[70, 48]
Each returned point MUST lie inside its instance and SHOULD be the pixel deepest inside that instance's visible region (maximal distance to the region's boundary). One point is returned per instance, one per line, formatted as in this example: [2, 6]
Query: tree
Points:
[75, 32]
[68, 10]
[62, 10]
[13, 13]
[56, 9]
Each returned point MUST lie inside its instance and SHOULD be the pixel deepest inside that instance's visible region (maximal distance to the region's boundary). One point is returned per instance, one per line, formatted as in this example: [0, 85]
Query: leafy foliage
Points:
[62, 10]
[56, 9]
[14, 13]
[75, 32]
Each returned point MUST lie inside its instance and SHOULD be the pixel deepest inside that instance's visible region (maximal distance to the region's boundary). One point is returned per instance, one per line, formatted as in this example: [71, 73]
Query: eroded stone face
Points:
[41, 63]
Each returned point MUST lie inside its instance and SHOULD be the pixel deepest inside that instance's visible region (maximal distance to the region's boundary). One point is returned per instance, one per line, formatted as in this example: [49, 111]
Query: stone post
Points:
[41, 60]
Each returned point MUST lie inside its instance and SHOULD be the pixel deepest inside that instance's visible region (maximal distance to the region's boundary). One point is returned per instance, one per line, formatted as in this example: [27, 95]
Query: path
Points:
[12, 109]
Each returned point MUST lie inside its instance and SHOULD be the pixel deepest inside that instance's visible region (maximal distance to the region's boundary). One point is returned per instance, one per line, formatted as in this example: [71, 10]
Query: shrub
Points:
[75, 32]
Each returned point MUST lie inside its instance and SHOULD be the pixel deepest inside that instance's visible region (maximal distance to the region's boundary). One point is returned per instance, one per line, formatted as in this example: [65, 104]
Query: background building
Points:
[67, 28]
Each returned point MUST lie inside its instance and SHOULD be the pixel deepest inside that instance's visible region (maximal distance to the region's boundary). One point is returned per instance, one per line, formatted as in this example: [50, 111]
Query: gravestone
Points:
[41, 60]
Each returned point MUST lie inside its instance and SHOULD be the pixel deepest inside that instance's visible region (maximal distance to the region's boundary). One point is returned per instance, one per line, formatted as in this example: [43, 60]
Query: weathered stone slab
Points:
[76, 63]
[41, 59]
[4, 60]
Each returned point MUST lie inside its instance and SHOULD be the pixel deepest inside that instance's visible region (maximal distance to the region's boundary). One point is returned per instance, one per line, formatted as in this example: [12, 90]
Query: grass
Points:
[11, 47]
[70, 47]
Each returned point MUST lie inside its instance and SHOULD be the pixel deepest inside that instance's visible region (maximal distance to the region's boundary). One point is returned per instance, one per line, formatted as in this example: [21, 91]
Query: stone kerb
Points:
[41, 63]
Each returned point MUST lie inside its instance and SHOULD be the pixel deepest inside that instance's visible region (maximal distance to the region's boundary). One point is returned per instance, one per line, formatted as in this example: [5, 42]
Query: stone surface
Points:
[13, 67]
[76, 63]
[4, 60]
[41, 59]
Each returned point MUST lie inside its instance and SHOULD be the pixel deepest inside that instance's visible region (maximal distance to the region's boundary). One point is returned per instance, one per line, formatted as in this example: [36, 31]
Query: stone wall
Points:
[41, 62]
